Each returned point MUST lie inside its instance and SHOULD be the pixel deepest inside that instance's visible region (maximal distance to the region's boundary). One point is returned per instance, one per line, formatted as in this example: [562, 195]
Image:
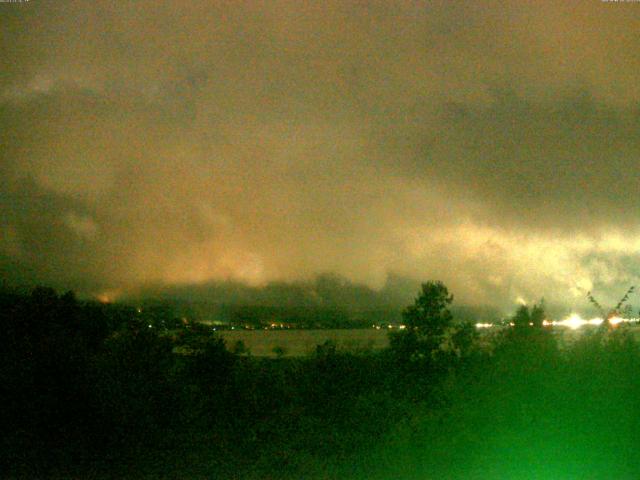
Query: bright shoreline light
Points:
[484, 325]
[574, 321]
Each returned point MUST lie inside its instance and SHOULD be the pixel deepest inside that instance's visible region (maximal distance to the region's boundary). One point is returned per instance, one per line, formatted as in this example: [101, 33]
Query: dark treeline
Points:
[92, 391]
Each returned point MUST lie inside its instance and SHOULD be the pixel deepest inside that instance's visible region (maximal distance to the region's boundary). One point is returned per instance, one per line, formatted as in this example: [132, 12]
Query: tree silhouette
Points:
[430, 313]
[522, 318]
[538, 314]
[621, 308]
[526, 317]
[426, 322]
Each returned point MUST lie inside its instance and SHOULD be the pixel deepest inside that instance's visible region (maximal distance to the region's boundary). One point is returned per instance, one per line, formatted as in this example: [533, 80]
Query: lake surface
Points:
[262, 343]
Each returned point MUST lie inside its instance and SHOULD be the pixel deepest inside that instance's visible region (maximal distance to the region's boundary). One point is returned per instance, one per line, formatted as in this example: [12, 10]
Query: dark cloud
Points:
[493, 145]
[567, 164]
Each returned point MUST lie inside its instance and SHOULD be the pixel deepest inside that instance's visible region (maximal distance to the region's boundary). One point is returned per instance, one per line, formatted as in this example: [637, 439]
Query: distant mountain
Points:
[326, 290]
[327, 301]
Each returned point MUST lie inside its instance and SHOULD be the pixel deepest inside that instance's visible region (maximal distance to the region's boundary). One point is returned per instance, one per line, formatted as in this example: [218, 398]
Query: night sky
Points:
[492, 145]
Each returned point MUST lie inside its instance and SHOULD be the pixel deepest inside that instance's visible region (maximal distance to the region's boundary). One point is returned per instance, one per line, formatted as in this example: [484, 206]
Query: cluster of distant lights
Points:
[399, 327]
[574, 322]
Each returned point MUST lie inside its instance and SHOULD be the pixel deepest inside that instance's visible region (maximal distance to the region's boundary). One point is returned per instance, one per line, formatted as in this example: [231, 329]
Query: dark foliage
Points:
[100, 391]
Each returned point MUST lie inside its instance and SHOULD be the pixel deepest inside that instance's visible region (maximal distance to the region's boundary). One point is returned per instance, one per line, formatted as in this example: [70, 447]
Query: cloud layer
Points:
[492, 145]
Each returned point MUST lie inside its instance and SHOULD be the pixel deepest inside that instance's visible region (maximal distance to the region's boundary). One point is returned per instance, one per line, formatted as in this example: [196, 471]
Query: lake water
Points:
[262, 343]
